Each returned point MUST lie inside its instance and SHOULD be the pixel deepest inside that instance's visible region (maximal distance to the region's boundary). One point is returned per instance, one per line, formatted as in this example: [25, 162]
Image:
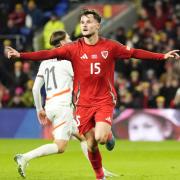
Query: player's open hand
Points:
[172, 55]
[11, 53]
[43, 120]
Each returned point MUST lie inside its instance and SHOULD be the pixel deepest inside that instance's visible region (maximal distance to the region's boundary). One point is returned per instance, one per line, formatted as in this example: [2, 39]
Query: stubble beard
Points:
[88, 35]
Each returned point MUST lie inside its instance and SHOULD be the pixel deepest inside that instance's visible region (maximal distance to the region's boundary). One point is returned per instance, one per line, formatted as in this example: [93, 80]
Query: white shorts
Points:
[62, 121]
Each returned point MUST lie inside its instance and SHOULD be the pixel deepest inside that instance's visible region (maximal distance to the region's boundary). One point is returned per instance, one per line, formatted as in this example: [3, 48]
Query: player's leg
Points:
[83, 143]
[94, 154]
[84, 148]
[61, 132]
[103, 133]
[86, 125]
[22, 160]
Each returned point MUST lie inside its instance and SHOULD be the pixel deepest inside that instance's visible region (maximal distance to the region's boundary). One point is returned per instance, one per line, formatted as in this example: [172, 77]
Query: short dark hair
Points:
[56, 37]
[96, 15]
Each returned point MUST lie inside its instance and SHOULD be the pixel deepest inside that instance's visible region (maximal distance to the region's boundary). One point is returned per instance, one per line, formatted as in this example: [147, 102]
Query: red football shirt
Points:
[93, 67]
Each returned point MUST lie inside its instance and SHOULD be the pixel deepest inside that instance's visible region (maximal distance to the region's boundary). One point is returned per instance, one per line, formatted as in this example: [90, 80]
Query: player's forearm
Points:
[143, 54]
[38, 55]
[37, 99]
[36, 90]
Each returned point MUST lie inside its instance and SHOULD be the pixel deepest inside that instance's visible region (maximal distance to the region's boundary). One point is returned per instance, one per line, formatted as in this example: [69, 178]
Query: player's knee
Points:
[61, 146]
[92, 145]
[61, 149]
[101, 139]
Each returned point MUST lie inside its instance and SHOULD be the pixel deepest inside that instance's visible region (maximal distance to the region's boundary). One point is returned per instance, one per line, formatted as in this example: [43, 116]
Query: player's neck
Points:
[91, 40]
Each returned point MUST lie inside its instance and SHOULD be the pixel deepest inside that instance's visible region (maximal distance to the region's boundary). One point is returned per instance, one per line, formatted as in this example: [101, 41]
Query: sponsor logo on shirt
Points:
[84, 56]
[104, 54]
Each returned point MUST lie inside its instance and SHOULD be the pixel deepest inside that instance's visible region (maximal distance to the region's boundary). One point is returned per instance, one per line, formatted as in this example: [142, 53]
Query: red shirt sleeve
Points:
[59, 53]
[124, 52]
[143, 54]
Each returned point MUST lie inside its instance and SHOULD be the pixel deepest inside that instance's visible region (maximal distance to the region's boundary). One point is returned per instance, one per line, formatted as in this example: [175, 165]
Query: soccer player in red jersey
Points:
[93, 60]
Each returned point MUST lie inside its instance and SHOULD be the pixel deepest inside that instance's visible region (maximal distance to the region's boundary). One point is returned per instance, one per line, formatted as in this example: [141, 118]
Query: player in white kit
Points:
[58, 79]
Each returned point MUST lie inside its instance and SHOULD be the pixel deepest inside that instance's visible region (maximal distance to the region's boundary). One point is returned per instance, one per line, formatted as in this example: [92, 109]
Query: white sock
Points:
[84, 148]
[43, 150]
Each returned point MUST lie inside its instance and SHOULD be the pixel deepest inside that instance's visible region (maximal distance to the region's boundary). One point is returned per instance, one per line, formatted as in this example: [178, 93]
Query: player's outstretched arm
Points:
[60, 53]
[125, 52]
[143, 54]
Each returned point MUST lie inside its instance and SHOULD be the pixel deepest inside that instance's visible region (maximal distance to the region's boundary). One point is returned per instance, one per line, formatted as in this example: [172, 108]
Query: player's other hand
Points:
[42, 117]
[172, 54]
[9, 52]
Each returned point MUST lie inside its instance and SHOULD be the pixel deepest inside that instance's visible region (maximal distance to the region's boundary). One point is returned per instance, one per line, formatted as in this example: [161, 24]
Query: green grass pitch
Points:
[131, 160]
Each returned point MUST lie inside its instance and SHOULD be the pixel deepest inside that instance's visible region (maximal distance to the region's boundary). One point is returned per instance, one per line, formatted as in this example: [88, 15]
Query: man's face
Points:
[89, 25]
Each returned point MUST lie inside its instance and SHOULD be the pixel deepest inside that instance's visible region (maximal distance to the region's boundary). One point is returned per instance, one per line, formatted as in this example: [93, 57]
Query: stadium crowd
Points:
[139, 84]
[149, 84]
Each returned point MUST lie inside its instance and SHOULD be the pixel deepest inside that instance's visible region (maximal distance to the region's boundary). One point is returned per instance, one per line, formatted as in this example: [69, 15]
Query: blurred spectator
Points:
[169, 29]
[150, 76]
[160, 102]
[178, 36]
[4, 95]
[120, 35]
[134, 80]
[175, 103]
[159, 15]
[16, 99]
[123, 67]
[27, 69]
[127, 101]
[6, 66]
[19, 77]
[168, 74]
[52, 25]
[34, 17]
[145, 88]
[4, 16]
[17, 17]
[136, 65]
[169, 89]
[155, 92]
[11, 28]
[27, 97]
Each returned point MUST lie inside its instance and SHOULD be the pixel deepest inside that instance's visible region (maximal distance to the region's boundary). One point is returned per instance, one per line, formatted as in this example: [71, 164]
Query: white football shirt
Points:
[58, 79]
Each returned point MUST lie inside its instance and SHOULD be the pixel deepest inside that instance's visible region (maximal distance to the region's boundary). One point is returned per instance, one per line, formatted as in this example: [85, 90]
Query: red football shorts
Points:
[86, 117]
